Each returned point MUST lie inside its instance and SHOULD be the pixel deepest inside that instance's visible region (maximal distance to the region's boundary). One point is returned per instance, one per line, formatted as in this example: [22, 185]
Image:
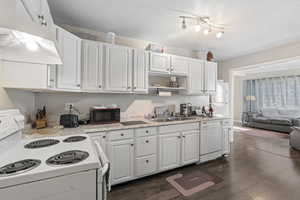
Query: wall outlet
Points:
[69, 106]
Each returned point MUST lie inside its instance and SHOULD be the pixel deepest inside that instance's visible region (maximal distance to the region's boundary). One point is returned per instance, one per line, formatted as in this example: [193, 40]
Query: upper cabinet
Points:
[140, 71]
[92, 66]
[196, 77]
[159, 63]
[69, 73]
[210, 76]
[179, 65]
[118, 68]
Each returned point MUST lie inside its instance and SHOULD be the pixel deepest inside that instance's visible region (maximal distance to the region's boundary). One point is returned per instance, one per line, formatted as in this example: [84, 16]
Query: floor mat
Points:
[193, 182]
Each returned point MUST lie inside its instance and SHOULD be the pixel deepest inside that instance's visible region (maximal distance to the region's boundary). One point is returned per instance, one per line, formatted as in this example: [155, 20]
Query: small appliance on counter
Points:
[186, 109]
[104, 115]
[69, 120]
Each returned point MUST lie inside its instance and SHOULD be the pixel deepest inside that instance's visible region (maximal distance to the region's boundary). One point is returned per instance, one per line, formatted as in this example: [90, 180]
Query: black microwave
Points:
[102, 115]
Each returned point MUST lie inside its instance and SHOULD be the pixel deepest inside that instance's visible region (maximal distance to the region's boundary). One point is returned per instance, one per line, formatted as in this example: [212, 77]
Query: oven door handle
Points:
[103, 159]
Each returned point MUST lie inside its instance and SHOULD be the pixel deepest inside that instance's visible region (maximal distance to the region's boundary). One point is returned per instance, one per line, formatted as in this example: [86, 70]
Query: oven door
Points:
[103, 173]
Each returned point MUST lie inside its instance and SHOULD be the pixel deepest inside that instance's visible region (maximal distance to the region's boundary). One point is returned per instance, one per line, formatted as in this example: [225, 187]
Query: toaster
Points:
[69, 120]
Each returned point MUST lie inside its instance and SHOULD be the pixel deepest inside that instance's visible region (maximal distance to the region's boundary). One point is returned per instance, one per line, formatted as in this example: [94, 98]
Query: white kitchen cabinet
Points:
[69, 73]
[169, 151]
[146, 146]
[196, 77]
[211, 137]
[146, 165]
[227, 131]
[121, 156]
[160, 63]
[190, 147]
[39, 12]
[92, 66]
[210, 76]
[140, 71]
[179, 65]
[118, 68]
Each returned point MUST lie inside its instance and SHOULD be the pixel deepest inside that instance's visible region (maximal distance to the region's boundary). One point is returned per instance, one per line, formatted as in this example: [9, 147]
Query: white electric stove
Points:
[52, 168]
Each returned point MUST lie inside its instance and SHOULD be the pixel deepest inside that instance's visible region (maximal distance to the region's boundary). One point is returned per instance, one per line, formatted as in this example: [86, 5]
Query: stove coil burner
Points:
[68, 158]
[19, 167]
[74, 139]
[41, 143]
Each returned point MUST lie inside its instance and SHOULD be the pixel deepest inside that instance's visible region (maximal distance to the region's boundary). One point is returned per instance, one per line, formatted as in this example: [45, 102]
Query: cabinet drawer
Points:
[226, 123]
[121, 134]
[211, 123]
[145, 131]
[146, 146]
[145, 165]
[177, 128]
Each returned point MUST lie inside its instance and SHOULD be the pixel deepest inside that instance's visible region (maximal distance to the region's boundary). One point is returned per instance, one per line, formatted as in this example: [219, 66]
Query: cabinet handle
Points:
[100, 86]
[44, 23]
[131, 145]
[122, 134]
[147, 161]
[41, 17]
[179, 136]
[134, 87]
[0, 121]
[128, 87]
[147, 131]
[103, 136]
[78, 85]
[183, 136]
[147, 141]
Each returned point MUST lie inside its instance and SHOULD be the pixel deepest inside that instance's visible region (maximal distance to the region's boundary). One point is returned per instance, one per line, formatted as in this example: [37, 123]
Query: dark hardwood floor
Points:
[261, 167]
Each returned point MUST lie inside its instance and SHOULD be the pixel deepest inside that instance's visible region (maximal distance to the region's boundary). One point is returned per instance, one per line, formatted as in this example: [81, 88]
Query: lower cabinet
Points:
[169, 151]
[121, 156]
[146, 165]
[190, 147]
[211, 138]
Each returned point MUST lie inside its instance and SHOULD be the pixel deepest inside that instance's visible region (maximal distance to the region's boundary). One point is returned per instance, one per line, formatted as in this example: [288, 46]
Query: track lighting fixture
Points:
[203, 22]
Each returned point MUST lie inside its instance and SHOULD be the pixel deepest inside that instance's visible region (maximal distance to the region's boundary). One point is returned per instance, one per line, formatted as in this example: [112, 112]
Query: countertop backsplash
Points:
[131, 105]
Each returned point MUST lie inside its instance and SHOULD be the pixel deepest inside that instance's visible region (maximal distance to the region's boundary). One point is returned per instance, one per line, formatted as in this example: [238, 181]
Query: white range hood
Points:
[22, 39]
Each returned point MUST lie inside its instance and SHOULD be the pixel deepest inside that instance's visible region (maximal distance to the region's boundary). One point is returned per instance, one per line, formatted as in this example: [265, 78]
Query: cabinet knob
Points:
[103, 136]
[147, 161]
[183, 136]
[134, 87]
[168, 69]
[100, 86]
[78, 85]
[147, 131]
[44, 24]
[122, 134]
[131, 145]
[41, 17]
[178, 136]
[128, 87]
[147, 141]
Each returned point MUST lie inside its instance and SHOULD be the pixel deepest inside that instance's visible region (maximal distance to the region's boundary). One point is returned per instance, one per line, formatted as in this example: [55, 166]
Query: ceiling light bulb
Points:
[206, 31]
[32, 45]
[197, 28]
[219, 34]
[183, 26]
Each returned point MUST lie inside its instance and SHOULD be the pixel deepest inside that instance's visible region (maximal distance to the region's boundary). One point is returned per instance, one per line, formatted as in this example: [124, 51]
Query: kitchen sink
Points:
[170, 119]
[131, 123]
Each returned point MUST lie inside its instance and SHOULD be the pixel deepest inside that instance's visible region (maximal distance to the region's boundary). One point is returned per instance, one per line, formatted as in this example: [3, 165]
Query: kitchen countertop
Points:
[59, 131]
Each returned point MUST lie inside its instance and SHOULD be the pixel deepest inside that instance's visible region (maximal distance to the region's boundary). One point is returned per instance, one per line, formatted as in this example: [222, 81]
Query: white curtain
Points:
[272, 92]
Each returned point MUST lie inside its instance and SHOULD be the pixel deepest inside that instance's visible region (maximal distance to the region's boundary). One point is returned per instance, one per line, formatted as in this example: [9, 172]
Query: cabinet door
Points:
[92, 63]
[169, 151]
[211, 139]
[196, 77]
[190, 147]
[69, 73]
[140, 71]
[118, 68]
[120, 154]
[211, 76]
[33, 9]
[226, 139]
[179, 65]
[159, 62]
[146, 146]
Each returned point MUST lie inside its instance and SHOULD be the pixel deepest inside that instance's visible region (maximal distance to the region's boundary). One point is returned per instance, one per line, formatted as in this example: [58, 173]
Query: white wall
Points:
[131, 105]
[278, 53]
